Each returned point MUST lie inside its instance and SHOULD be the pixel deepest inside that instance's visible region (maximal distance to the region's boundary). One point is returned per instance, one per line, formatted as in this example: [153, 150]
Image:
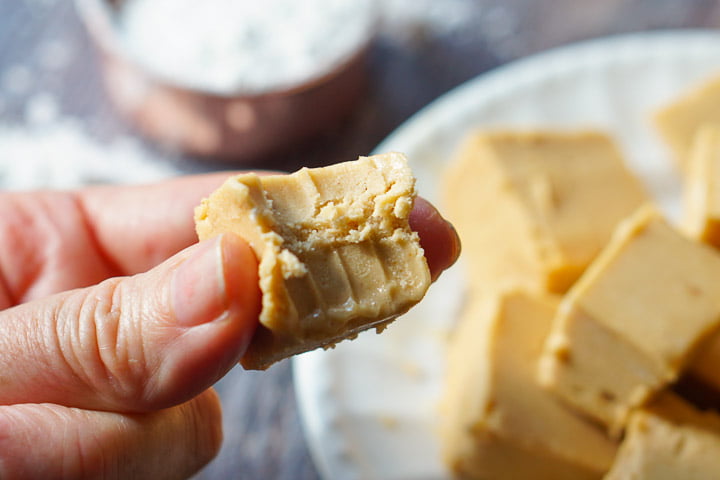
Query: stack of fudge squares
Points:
[589, 343]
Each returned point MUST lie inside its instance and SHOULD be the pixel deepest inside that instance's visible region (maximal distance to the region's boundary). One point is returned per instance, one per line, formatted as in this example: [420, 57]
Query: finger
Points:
[136, 343]
[51, 441]
[54, 241]
[437, 237]
[137, 227]
[6, 299]
[45, 247]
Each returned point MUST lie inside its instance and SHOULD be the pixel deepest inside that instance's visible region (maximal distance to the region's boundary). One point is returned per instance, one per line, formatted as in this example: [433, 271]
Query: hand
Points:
[105, 371]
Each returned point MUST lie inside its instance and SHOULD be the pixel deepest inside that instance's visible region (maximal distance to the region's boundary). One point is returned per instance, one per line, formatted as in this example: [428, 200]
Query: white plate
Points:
[369, 406]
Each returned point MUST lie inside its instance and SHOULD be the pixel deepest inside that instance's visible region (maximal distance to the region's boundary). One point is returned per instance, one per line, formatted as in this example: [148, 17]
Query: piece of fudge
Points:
[705, 366]
[634, 320]
[701, 197]
[498, 422]
[669, 440]
[701, 220]
[679, 121]
[534, 208]
[336, 253]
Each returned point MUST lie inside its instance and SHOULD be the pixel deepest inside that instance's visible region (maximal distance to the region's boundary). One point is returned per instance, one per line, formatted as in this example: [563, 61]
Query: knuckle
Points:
[100, 338]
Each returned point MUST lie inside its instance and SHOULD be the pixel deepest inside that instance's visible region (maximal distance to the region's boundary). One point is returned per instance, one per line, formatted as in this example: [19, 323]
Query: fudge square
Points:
[679, 121]
[669, 440]
[498, 422]
[701, 220]
[336, 252]
[534, 207]
[634, 320]
[701, 195]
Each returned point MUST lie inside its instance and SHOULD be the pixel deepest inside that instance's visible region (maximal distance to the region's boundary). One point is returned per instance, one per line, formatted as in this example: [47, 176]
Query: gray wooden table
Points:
[44, 41]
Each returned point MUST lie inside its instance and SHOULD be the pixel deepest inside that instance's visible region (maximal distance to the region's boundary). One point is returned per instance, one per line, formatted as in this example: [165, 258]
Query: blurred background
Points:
[79, 106]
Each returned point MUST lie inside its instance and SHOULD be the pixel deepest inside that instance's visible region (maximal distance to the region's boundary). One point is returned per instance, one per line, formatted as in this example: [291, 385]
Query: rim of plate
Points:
[518, 73]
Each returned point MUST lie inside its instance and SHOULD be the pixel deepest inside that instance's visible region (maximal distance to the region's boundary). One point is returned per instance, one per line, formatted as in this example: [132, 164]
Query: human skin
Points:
[115, 323]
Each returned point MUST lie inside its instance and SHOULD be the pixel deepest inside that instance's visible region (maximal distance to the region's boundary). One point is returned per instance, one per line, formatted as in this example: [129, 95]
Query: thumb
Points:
[136, 343]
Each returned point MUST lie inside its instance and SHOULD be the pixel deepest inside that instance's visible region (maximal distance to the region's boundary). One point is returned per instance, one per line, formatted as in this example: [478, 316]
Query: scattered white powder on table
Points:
[402, 17]
[55, 54]
[229, 46]
[62, 155]
[476, 21]
[16, 80]
[41, 109]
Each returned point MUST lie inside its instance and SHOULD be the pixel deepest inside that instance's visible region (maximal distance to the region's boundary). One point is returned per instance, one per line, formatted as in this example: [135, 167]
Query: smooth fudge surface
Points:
[533, 208]
[669, 440]
[634, 320]
[498, 422]
[705, 365]
[701, 199]
[336, 253]
[679, 121]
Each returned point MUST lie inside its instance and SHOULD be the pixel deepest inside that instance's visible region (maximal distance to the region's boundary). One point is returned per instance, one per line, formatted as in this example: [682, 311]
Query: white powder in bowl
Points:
[243, 46]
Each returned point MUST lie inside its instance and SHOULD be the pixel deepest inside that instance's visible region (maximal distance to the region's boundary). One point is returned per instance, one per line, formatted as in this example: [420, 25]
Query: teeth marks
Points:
[367, 277]
[291, 203]
[307, 182]
[347, 302]
[307, 298]
[322, 274]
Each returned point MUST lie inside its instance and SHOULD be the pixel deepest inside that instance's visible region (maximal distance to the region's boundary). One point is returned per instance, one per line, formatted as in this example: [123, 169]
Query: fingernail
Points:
[198, 286]
[438, 237]
[457, 243]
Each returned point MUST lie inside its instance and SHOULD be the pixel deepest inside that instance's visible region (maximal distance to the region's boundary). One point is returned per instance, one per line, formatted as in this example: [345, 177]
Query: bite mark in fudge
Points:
[336, 253]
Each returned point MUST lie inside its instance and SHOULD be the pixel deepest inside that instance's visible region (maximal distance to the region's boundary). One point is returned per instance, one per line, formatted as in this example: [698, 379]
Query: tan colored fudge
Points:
[336, 253]
[701, 199]
[669, 440]
[679, 121]
[534, 208]
[633, 322]
[498, 422]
